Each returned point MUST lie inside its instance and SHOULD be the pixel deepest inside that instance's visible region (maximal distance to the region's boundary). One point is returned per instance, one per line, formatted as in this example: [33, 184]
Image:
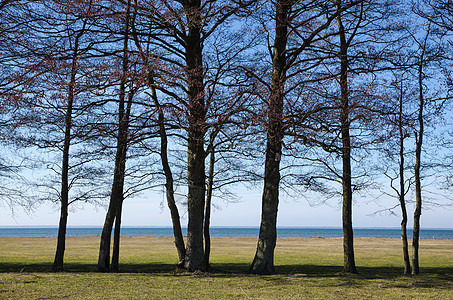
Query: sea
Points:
[226, 232]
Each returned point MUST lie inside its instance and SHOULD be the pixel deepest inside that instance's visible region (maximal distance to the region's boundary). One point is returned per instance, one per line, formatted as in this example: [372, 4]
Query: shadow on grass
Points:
[313, 275]
[85, 268]
[233, 269]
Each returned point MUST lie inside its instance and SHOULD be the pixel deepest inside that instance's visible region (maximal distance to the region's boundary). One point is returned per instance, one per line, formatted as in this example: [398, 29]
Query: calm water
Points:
[225, 232]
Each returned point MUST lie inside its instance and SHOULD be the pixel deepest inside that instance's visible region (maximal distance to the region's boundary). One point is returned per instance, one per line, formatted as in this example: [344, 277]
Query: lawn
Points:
[306, 268]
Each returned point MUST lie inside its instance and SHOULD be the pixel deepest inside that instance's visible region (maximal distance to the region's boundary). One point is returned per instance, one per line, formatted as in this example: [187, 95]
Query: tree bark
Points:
[263, 263]
[114, 204]
[104, 248]
[196, 134]
[116, 238]
[407, 263]
[64, 195]
[117, 196]
[170, 195]
[418, 185]
[123, 138]
[207, 217]
[348, 235]
[169, 186]
[64, 200]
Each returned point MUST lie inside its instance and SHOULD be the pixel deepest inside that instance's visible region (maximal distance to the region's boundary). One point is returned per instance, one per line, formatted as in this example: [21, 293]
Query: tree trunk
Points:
[196, 177]
[418, 185]
[418, 211]
[123, 141]
[61, 239]
[407, 263]
[177, 232]
[64, 195]
[207, 217]
[104, 249]
[116, 238]
[348, 235]
[116, 198]
[196, 134]
[64, 200]
[169, 186]
[263, 263]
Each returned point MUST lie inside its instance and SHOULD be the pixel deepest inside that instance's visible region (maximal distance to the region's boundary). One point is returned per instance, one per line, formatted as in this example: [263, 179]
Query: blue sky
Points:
[147, 211]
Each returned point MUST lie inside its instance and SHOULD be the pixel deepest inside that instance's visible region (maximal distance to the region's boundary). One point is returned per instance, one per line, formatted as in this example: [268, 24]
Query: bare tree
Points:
[296, 31]
[399, 121]
[49, 88]
[181, 33]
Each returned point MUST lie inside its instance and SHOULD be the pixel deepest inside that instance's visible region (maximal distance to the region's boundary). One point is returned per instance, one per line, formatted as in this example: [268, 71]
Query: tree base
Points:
[262, 267]
[102, 269]
[350, 271]
[57, 269]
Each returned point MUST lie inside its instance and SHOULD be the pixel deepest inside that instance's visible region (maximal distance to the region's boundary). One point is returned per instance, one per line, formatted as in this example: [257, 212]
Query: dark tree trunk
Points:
[418, 185]
[116, 200]
[64, 196]
[123, 138]
[177, 232]
[196, 177]
[407, 263]
[104, 249]
[116, 238]
[64, 200]
[207, 217]
[348, 236]
[115, 207]
[115, 203]
[117, 196]
[61, 239]
[169, 186]
[196, 133]
[263, 263]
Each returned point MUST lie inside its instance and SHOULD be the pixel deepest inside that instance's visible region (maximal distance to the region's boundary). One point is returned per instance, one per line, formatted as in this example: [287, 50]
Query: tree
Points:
[181, 32]
[334, 124]
[117, 194]
[426, 51]
[147, 57]
[399, 121]
[263, 263]
[131, 131]
[169, 186]
[418, 150]
[345, 124]
[54, 61]
[53, 76]
[402, 134]
[296, 31]
[58, 262]
[228, 157]
[421, 99]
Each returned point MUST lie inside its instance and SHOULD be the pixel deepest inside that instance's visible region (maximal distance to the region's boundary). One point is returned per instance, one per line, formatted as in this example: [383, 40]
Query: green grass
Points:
[306, 268]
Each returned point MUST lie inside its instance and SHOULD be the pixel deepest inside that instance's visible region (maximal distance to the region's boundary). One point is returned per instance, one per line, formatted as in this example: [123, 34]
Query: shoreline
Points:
[228, 232]
[226, 238]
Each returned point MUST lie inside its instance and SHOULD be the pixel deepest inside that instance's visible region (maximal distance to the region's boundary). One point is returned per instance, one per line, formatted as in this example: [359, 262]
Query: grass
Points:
[306, 268]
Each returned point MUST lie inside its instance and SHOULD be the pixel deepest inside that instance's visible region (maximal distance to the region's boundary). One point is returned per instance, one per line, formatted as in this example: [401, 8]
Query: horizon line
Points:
[221, 226]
